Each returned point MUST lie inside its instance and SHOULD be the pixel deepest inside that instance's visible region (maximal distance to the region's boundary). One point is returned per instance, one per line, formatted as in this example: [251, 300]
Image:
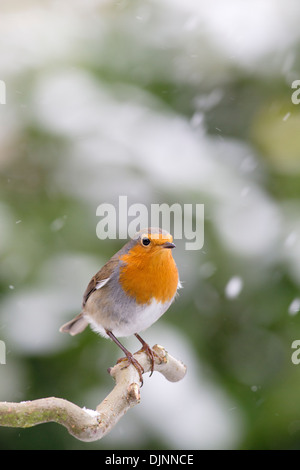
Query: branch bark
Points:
[91, 425]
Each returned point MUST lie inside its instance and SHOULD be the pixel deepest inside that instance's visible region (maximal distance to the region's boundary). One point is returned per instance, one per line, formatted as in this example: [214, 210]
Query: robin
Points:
[131, 291]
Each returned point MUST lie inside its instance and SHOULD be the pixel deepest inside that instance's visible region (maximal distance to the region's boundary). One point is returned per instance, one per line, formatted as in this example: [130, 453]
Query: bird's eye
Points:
[145, 241]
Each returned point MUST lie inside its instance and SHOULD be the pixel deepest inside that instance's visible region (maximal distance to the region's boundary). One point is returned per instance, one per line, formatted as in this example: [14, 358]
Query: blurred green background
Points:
[161, 101]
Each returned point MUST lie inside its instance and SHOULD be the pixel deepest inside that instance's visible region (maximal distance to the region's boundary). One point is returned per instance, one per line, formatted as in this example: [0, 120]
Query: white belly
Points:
[138, 320]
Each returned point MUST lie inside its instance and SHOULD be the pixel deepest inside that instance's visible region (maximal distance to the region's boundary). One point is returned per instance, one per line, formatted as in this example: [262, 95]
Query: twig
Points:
[92, 425]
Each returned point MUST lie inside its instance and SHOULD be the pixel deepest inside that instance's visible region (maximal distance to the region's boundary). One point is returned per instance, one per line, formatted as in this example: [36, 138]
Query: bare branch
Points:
[92, 425]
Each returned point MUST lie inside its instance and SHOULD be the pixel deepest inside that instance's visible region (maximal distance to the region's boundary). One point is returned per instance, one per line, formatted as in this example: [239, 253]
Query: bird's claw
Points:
[131, 360]
[151, 354]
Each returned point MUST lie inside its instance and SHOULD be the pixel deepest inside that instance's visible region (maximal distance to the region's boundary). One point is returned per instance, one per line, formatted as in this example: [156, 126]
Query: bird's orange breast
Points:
[145, 276]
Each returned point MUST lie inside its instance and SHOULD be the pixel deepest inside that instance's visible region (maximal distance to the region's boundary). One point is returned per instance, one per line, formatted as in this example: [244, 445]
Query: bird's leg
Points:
[146, 348]
[128, 354]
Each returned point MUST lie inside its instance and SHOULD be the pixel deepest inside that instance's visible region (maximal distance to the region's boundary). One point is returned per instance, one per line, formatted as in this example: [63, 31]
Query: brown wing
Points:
[106, 271]
[101, 277]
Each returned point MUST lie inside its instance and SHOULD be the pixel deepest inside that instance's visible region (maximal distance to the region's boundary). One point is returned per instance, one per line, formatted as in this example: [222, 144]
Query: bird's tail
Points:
[75, 326]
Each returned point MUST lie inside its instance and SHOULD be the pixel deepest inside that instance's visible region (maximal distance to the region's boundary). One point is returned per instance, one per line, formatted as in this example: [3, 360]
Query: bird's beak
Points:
[169, 245]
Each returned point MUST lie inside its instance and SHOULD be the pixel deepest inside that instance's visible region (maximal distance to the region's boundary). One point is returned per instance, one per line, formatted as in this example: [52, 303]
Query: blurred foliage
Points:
[155, 66]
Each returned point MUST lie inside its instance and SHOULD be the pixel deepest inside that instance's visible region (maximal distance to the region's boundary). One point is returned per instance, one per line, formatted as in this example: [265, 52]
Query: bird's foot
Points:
[131, 360]
[150, 353]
